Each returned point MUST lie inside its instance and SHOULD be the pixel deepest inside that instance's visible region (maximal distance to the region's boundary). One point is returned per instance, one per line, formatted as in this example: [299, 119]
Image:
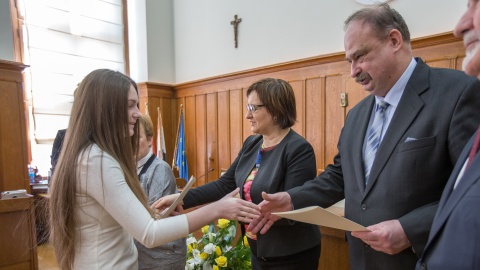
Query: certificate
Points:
[179, 199]
[320, 216]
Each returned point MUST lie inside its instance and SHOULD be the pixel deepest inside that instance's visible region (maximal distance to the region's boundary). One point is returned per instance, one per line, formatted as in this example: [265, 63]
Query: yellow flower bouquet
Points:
[214, 250]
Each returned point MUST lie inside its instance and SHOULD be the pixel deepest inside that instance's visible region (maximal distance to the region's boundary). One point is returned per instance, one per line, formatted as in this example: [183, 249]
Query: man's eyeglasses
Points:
[253, 108]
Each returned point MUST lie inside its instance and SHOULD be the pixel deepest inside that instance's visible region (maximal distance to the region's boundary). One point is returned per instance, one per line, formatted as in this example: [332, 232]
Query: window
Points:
[63, 41]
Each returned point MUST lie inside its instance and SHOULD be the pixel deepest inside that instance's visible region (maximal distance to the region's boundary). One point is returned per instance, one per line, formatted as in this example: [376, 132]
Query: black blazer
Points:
[288, 165]
[454, 241]
[439, 110]
[57, 148]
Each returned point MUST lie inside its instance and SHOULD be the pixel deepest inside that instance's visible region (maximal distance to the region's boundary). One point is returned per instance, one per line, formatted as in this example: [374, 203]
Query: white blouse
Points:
[109, 214]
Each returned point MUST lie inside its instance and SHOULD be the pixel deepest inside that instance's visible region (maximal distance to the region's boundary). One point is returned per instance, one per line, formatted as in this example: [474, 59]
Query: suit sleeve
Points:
[324, 190]
[217, 189]
[300, 166]
[465, 120]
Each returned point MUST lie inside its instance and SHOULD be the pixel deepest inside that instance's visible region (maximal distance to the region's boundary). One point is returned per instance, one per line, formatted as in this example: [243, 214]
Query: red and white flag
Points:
[161, 151]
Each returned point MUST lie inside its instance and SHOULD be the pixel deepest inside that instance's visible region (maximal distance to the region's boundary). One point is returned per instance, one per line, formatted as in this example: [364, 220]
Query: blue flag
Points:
[181, 155]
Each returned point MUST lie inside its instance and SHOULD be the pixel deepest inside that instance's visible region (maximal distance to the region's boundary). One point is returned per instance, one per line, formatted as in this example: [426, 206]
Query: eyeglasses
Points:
[253, 108]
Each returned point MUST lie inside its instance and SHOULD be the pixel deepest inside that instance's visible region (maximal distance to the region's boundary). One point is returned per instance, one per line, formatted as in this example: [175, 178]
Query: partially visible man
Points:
[454, 241]
[397, 148]
[469, 28]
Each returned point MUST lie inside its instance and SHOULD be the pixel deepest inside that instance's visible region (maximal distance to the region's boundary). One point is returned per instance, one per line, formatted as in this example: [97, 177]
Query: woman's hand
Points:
[233, 208]
[163, 203]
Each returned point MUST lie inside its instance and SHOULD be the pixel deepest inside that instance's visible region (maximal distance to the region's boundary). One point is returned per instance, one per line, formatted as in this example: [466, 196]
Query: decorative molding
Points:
[9, 65]
[439, 39]
[372, 2]
[148, 89]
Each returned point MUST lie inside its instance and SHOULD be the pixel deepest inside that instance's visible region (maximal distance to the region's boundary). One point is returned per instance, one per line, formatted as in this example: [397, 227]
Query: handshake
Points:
[259, 217]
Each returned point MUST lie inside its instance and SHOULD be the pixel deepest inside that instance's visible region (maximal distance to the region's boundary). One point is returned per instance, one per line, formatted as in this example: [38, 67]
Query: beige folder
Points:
[179, 199]
[319, 216]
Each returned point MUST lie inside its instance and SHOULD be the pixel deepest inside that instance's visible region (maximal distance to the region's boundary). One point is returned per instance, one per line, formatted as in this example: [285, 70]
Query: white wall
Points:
[161, 47]
[6, 36]
[276, 31]
[151, 43]
[137, 40]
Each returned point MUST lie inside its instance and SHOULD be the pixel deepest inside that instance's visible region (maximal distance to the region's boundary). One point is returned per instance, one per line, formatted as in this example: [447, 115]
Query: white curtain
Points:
[63, 41]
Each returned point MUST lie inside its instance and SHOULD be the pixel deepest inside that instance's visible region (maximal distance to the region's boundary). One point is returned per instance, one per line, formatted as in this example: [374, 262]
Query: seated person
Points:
[157, 180]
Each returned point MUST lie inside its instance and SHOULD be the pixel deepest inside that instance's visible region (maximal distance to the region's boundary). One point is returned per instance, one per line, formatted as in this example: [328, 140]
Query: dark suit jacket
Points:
[454, 241]
[57, 148]
[288, 165]
[439, 109]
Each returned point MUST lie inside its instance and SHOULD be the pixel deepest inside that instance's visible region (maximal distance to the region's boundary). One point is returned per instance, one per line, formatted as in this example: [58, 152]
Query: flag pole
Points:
[176, 139]
[160, 135]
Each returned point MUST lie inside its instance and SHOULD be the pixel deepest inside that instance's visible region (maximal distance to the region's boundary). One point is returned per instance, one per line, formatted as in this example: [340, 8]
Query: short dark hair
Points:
[279, 99]
[382, 18]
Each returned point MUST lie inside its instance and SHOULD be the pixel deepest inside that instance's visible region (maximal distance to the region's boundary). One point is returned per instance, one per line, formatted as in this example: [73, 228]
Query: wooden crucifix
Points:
[235, 23]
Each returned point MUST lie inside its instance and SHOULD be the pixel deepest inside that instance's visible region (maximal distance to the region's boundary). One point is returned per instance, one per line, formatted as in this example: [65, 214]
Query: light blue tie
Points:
[374, 137]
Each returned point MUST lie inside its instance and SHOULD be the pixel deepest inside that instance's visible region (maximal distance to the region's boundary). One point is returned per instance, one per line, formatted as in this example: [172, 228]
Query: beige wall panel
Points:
[459, 62]
[246, 123]
[315, 117]
[224, 148]
[201, 140]
[440, 63]
[168, 110]
[299, 90]
[334, 116]
[211, 133]
[237, 118]
[355, 91]
[190, 131]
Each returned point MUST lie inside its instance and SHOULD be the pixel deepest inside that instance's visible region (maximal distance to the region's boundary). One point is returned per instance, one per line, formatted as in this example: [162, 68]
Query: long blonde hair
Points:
[99, 116]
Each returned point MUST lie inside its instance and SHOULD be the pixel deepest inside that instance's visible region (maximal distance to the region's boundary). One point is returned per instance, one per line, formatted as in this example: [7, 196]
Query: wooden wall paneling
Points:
[430, 48]
[168, 110]
[201, 142]
[11, 108]
[355, 91]
[160, 96]
[17, 236]
[459, 62]
[247, 131]
[13, 122]
[211, 137]
[299, 90]
[237, 117]
[453, 63]
[18, 248]
[223, 132]
[315, 117]
[190, 135]
[331, 257]
[334, 115]
[440, 63]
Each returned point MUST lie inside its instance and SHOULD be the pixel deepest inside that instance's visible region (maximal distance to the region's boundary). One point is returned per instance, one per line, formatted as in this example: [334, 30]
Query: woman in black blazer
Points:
[276, 159]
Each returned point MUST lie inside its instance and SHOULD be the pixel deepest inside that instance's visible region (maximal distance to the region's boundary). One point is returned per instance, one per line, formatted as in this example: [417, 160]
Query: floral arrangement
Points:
[214, 250]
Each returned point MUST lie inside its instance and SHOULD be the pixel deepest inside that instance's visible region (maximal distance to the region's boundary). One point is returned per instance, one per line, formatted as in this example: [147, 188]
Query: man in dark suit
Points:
[468, 28]
[415, 122]
[454, 241]
[57, 148]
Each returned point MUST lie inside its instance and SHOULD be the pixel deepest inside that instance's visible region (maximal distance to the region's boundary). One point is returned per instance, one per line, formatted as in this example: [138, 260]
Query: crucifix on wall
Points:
[235, 23]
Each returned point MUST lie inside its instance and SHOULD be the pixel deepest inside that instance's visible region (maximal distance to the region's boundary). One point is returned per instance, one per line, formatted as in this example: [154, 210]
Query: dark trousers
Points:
[305, 260]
